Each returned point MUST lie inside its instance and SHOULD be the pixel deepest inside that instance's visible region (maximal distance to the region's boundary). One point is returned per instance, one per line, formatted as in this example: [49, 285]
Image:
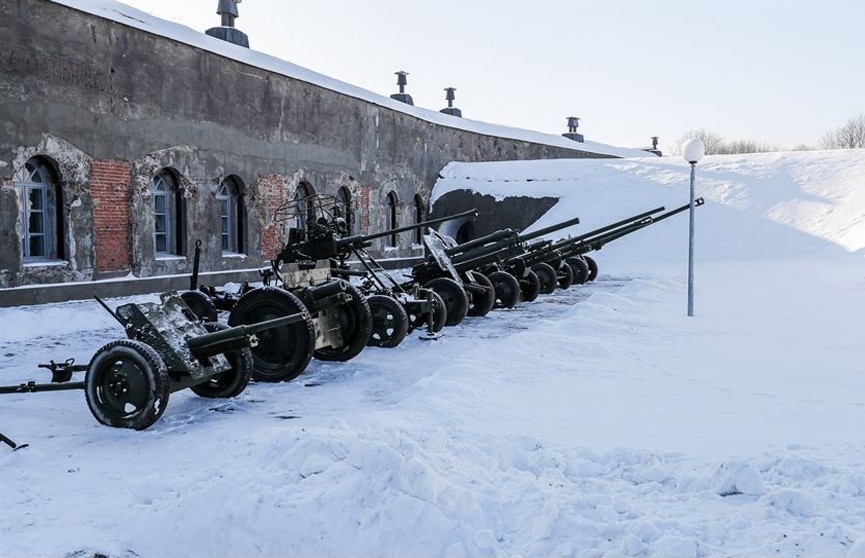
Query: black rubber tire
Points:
[200, 304]
[355, 324]
[547, 276]
[454, 297]
[593, 268]
[126, 384]
[530, 286]
[580, 269]
[507, 289]
[282, 353]
[389, 321]
[230, 383]
[565, 276]
[481, 304]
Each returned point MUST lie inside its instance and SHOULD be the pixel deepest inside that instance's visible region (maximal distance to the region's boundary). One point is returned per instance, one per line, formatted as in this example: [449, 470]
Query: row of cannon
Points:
[324, 297]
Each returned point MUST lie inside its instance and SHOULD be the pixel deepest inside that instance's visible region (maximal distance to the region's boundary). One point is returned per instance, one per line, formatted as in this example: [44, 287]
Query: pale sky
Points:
[779, 72]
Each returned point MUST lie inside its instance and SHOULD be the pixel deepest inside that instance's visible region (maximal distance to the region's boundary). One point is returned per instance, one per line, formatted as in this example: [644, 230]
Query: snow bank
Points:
[758, 205]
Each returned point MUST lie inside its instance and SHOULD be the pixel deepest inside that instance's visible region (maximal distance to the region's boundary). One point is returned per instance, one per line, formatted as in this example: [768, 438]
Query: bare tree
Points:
[746, 146]
[849, 136]
[717, 145]
[711, 141]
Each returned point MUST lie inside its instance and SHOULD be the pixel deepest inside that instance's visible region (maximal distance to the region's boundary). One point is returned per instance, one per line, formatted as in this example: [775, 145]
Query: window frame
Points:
[164, 185]
[392, 203]
[38, 177]
[229, 199]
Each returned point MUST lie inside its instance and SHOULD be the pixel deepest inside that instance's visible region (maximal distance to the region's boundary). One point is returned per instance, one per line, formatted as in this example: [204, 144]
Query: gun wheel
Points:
[593, 268]
[547, 276]
[126, 385]
[419, 319]
[200, 304]
[530, 286]
[454, 297]
[565, 276]
[283, 353]
[507, 289]
[230, 383]
[389, 321]
[355, 323]
[580, 270]
[480, 304]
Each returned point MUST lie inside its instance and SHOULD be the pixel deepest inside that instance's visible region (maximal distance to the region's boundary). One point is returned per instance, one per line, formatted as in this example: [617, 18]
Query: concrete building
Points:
[126, 138]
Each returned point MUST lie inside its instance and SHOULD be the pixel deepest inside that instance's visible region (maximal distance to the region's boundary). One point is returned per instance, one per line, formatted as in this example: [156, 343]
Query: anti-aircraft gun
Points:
[321, 239]
[491, 256]
[128, 381]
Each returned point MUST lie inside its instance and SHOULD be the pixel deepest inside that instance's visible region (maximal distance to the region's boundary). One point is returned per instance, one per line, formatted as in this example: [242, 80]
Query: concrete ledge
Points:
[128, 286]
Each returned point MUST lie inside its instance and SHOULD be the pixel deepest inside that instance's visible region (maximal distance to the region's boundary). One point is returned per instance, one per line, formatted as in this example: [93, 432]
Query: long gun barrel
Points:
[599, 241]
[496, 241]
[361, 238]
[552, 228]
[235, 337]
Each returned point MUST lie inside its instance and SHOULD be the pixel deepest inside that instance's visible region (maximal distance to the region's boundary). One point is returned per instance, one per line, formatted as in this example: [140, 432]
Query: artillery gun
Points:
[575, 250]
[493, 256]
[547, 254]
[128, 381]
[321, 236]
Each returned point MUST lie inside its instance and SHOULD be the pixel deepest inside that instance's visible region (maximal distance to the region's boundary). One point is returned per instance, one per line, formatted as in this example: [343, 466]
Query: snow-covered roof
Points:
[131, 17]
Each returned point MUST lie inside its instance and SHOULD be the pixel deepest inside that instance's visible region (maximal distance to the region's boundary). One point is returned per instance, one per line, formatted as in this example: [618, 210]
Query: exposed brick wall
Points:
[110, 183]
[270, 192]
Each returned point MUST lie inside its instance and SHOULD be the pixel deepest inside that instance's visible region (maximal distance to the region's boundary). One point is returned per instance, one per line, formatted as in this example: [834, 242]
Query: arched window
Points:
[392, 222]
[231, 215]
[304, 210]
[167, 215]
[419, 212]
[41, 212]
[343, 207]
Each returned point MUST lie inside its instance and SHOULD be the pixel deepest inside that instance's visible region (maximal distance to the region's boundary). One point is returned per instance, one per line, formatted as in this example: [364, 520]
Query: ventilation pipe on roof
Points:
[654, 149]
[449, 97]
[573, 124]
[227, 9]
[402, 96]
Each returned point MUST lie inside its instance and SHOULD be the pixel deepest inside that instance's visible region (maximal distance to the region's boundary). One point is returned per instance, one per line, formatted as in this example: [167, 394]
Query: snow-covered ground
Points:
[595, 421]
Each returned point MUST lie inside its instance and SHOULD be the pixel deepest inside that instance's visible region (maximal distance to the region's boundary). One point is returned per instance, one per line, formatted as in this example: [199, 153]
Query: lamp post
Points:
[692, 150]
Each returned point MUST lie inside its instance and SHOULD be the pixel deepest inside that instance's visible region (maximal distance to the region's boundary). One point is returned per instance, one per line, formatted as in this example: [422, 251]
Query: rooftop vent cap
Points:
[402, 96]
[573, 124]
[227, 9]
[449, 97]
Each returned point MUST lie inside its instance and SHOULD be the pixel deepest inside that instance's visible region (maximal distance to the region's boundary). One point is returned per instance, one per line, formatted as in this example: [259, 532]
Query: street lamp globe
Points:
[693, 150]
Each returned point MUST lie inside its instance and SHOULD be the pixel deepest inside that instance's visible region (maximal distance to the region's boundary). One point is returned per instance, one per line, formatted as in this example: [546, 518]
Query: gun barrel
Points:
[697, 203]
[551, 228]
[360, 238]
[617, 224]
[218, 341]
[581, 246]
[492, 237]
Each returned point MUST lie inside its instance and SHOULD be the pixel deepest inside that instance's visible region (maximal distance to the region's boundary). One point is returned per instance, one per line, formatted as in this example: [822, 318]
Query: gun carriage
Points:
[128, 381]
[493, 257]
[321, 238]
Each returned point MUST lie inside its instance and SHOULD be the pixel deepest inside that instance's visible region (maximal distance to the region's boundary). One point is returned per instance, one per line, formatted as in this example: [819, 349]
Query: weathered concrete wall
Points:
[85, 92]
